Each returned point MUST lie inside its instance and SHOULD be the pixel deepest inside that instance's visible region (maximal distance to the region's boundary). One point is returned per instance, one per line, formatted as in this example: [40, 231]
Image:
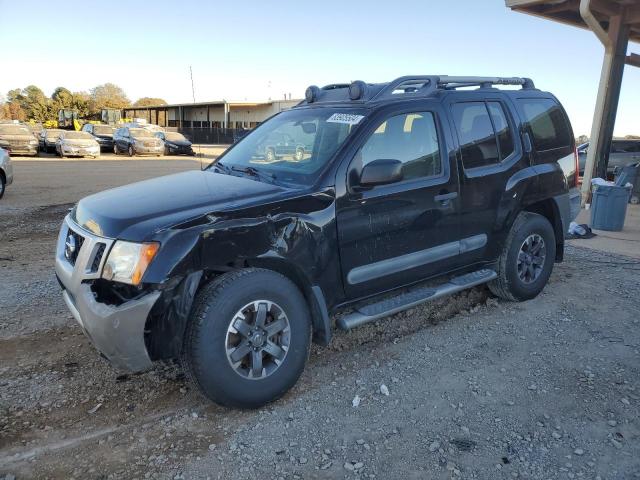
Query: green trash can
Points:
[609, 207]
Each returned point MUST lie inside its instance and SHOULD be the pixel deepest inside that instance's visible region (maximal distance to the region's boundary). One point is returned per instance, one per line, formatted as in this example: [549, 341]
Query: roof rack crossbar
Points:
[432, 82]
[429, 84]
[456, 82]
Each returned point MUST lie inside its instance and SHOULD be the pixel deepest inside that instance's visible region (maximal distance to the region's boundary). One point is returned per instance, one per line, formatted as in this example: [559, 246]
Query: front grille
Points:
[95, 265]
[73, 244]
[18, 143]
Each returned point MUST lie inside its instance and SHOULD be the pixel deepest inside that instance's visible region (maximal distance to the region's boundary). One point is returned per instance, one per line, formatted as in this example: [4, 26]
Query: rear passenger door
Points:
[489, 153]
[396, 234]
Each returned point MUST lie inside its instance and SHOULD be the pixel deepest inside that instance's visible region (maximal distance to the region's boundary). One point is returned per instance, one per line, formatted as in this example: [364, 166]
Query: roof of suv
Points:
[407, 87]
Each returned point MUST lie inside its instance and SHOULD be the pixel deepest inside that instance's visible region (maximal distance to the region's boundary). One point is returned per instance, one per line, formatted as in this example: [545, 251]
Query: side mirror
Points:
[381, 172]
[308, 127]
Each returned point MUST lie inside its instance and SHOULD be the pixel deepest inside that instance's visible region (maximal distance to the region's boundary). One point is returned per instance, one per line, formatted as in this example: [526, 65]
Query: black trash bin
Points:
[630, 174]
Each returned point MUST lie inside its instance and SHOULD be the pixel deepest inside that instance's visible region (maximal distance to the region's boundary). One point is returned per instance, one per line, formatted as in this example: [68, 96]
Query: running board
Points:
[412, 298]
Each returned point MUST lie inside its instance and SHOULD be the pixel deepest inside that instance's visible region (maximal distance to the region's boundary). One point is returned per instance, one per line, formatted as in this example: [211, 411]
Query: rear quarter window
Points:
[547, 122]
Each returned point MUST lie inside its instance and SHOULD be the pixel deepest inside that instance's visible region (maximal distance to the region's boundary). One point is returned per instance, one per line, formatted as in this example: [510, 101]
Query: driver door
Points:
[399, 233]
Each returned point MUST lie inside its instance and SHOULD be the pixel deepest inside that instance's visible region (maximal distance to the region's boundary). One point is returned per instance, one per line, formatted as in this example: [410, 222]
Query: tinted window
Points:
[411, 138]
[549, 126]
[502, 128]
[478, 144]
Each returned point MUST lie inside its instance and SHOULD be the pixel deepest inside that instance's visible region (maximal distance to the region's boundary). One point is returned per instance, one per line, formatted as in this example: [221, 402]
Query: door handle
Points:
[445, 197]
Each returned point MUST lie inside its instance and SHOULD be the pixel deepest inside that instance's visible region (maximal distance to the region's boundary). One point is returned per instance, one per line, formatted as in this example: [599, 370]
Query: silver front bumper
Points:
[116, 331]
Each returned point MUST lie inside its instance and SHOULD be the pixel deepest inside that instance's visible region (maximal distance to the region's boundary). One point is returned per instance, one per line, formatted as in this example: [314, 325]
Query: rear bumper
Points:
[568, 206]
[116, 331]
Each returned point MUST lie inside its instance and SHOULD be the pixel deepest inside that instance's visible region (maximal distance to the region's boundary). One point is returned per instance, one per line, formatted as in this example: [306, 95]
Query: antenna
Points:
[193, 90]
[193, 95]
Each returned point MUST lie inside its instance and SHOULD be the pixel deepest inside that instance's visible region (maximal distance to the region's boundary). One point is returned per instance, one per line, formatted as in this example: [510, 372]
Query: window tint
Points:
[547, 122]
[411, 138]
[478, 144]
[502, 128]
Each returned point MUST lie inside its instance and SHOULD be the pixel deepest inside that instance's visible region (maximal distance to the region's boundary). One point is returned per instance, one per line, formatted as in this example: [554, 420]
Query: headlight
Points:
[128, 261]
[33, 142]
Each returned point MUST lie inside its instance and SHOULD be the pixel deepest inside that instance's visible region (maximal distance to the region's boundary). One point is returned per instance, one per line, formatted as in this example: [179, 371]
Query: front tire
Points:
[526, 262]
[131, 151]
[247, 339]
[2, 185]
[270, 155]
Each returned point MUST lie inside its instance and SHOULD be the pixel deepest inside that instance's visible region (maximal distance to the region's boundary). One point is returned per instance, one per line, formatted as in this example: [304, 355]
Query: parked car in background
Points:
[77, 144]
[279, 145]
[48, 139]
[622, 153]
[136, 141]
[175, 143]
[18, 139]
[103, 135]
[6, 171]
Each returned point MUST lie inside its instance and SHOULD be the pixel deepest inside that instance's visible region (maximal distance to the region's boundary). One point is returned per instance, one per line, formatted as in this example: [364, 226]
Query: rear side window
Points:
[484, 133]
[411, 138]
[547, 122]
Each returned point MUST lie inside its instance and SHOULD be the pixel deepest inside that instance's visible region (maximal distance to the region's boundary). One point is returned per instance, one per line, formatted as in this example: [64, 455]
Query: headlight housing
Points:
[127, 261]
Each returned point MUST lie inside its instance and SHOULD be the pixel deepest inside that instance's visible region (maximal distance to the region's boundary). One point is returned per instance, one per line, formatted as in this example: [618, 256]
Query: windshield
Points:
[103, 130]
[52, 133]
[140, 132]
[175, 137]
[294, 145]
[78, 135]
[14, 130]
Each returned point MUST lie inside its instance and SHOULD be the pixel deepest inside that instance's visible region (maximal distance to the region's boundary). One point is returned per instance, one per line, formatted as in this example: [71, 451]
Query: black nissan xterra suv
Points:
[409, 190]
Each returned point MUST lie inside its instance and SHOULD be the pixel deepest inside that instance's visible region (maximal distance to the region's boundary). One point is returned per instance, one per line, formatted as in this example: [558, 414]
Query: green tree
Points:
[107, 96]
[149, 102]
[29, 102]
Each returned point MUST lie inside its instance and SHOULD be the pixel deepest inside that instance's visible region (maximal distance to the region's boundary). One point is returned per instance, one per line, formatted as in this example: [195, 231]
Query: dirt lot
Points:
[477, 388]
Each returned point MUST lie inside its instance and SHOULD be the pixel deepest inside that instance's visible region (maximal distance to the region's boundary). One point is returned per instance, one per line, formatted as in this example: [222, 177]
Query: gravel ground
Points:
[468, 387]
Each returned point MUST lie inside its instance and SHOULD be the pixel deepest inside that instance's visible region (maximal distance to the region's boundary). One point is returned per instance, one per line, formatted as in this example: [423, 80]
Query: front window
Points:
[78, 136]
[102, 130]
[14, 130]
[294, 146]
[174, 137]
[140, 133]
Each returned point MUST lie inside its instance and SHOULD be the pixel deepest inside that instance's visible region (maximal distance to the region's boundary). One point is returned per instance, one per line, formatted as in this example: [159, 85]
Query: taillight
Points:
[577, 166]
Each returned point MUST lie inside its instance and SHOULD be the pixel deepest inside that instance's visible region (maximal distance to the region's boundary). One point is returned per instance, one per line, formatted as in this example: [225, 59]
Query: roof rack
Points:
[415, 85]
[427, 84]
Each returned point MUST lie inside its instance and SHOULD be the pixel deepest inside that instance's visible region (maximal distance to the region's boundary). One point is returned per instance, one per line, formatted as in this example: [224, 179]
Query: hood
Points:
[79, 142]
[134, 212]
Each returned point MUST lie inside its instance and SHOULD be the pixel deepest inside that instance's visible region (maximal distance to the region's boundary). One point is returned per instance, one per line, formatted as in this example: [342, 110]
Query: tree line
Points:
[31, 103]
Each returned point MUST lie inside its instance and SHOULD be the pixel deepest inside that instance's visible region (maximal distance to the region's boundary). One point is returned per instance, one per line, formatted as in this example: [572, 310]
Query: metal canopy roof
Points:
[568, 12]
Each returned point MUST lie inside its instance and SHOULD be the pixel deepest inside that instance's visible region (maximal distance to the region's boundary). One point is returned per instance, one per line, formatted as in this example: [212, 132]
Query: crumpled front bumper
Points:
[116, 331]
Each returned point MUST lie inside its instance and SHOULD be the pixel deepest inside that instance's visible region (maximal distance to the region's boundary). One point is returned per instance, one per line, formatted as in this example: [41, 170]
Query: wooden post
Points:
[604, 117]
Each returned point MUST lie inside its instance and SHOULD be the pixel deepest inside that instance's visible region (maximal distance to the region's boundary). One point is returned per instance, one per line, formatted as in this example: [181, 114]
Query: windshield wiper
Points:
[221, 166]
[254, 172]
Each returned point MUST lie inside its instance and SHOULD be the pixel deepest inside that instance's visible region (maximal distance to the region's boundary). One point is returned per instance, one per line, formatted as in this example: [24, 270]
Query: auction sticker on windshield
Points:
[348, 118]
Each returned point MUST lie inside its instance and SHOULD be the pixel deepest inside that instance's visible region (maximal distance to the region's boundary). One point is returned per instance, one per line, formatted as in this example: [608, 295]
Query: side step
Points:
[417, 296]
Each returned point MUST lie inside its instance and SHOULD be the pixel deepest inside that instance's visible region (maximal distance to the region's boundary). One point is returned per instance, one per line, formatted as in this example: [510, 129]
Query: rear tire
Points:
[212, 344]
[131, 151]
[526, 262]
[2, 185]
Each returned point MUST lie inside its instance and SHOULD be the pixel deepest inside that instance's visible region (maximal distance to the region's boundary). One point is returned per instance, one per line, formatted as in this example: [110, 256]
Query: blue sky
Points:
[255, 50]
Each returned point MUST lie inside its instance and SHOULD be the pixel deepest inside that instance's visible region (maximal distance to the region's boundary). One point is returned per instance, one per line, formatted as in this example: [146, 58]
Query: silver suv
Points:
[6, 170]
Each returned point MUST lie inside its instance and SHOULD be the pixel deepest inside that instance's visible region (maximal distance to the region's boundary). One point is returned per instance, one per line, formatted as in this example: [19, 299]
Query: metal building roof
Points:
[568, 12]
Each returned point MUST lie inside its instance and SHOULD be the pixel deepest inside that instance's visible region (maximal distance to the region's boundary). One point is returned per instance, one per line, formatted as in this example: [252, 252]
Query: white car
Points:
[77, 144]
[6, 171]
